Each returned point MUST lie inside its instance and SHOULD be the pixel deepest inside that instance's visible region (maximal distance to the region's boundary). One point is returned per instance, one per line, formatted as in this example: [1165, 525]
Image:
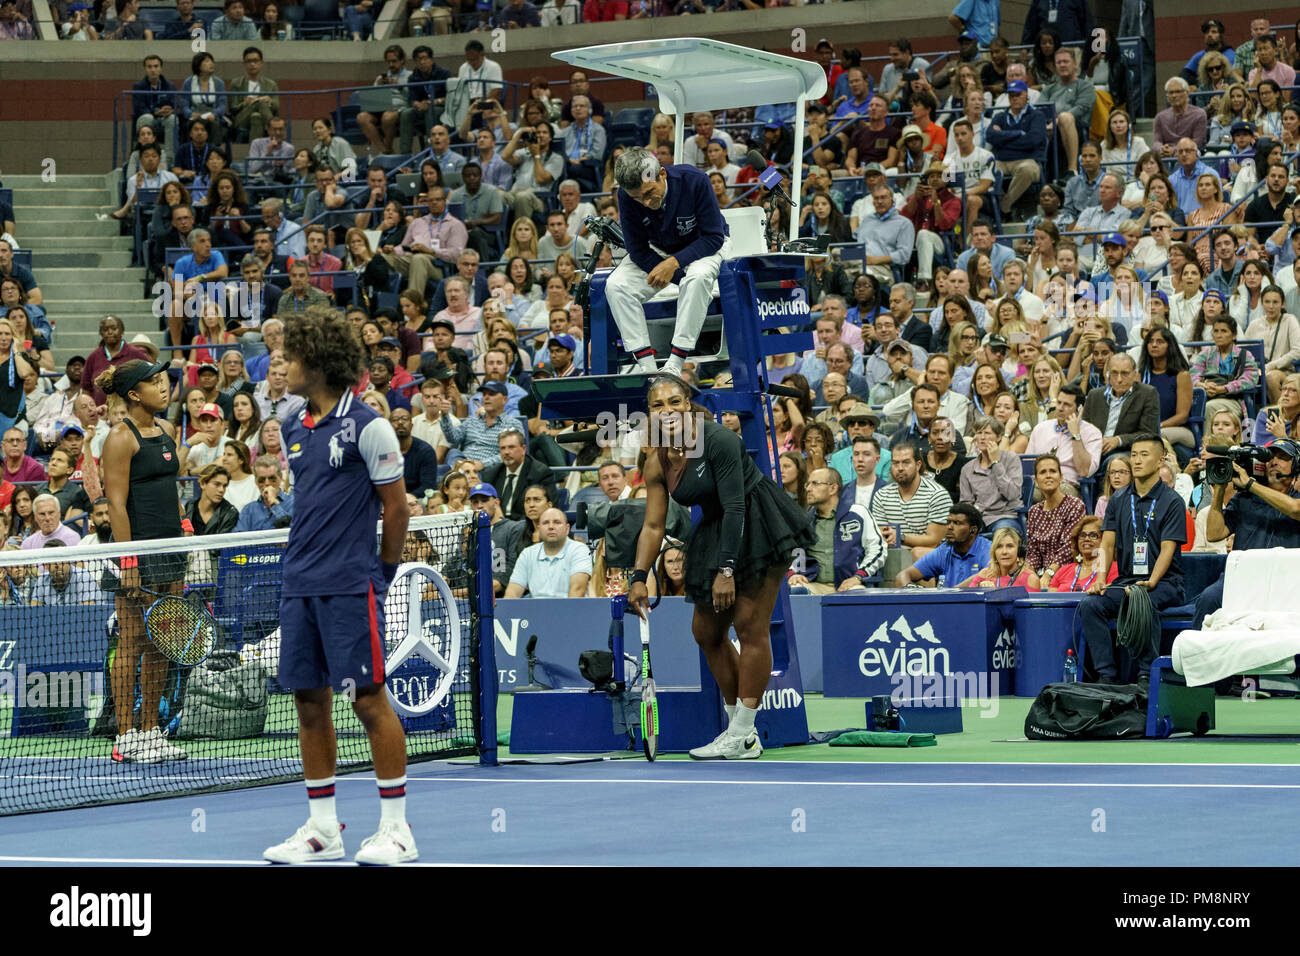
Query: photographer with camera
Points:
[485, 114]
[537, 169]
[1261, 514]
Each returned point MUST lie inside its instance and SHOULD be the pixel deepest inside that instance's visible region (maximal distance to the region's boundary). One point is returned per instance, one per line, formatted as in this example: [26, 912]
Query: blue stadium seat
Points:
[631, 127]
[158, 18]
[345, 124]
[321, 18]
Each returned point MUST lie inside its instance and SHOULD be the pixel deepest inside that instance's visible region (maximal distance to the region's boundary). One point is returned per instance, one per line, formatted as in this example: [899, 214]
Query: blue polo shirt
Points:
[187, 268]
[336, 464]
[951, 568]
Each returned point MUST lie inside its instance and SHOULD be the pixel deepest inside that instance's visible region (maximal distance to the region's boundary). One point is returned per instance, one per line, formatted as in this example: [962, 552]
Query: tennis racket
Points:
[649, 704]
[181, 628]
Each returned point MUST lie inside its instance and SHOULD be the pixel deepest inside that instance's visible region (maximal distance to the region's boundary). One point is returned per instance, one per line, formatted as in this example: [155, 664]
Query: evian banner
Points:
[873, 639]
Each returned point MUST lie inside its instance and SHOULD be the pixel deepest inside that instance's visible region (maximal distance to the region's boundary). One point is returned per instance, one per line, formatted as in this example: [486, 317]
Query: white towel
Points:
[1203, 657]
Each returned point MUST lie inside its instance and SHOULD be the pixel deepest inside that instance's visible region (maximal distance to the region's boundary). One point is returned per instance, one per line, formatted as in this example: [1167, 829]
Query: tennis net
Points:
[226, 723]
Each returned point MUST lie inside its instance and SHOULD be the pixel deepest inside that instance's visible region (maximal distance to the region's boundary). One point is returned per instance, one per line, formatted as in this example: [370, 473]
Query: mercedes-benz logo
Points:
[409, 635]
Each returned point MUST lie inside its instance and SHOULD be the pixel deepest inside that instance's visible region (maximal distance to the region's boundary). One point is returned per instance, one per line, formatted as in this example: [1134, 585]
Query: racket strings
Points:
[181, 630]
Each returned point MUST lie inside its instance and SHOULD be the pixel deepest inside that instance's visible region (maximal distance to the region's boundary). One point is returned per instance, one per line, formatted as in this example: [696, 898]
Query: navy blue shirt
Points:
[23, 275]
[1168, 522]
[688, 226]
[1257, 524]
[421, 468]
[336, 464]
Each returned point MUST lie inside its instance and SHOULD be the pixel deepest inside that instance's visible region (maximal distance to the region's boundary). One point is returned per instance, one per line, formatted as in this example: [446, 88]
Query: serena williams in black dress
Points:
[736, 557]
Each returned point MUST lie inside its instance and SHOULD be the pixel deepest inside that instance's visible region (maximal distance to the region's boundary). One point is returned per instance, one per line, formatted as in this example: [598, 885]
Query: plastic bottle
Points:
[1070, 674]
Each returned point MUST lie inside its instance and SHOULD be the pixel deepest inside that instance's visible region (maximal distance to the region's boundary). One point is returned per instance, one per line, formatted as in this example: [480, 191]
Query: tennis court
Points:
[980, 798]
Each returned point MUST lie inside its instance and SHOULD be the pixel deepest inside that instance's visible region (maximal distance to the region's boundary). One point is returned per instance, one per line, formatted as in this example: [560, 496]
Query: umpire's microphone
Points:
[769, 176]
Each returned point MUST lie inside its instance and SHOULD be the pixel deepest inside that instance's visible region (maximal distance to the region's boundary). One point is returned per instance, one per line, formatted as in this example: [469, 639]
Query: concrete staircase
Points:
[82, 265]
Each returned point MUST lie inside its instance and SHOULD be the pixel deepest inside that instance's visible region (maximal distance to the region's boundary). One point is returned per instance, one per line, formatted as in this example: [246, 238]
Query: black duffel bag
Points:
[1088, 712]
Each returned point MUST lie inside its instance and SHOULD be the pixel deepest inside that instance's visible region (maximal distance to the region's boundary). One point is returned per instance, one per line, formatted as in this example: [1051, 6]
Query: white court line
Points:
[634, 781]
[177, 861]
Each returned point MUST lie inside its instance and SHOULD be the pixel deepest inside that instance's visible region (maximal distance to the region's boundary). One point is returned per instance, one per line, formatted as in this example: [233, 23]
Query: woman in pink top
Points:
[1008, 568]
[1079, 574]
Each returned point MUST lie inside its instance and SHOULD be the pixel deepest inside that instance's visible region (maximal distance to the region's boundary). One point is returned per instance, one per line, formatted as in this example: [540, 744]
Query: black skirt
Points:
[775, 528]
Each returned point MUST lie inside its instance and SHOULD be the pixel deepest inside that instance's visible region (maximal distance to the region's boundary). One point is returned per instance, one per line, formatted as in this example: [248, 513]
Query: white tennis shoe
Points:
[157, 748]
[392, 843]
[310, 844]
[729, 746]
[126, 746]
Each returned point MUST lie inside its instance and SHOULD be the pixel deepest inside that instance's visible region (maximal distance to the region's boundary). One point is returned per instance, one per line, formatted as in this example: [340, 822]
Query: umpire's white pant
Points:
[626, 290]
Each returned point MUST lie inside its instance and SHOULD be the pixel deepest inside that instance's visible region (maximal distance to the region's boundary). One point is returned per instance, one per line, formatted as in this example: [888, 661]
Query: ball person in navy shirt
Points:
[674, 232]
[347, 471]
[1143, 532]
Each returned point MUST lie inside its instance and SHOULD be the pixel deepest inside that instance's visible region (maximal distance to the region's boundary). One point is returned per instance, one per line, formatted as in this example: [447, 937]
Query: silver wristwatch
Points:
[727, 572]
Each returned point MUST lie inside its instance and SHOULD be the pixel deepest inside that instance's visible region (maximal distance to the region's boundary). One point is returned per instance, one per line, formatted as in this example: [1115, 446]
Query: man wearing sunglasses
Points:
[1212, 30]
[674, 232]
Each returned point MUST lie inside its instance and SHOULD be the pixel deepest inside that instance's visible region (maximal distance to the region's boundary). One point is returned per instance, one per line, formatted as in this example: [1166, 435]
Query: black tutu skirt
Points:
[775, 528]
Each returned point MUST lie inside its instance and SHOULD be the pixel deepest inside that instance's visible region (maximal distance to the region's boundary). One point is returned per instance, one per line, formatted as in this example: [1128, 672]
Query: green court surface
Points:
[999, 736]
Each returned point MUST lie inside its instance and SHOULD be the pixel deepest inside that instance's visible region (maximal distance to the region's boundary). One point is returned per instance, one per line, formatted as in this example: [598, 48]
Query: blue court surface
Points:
[763, 812]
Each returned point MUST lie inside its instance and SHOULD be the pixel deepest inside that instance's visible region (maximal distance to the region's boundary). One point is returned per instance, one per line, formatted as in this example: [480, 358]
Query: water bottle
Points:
[417, 30]
[280, 34]
[1070, 675]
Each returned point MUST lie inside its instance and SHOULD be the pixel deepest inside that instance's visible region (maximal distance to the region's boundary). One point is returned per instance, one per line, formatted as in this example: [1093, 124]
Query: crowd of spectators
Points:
[1023, 288]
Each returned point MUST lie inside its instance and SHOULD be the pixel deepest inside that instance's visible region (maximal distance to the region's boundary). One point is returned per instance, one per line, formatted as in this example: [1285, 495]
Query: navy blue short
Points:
[327, 641]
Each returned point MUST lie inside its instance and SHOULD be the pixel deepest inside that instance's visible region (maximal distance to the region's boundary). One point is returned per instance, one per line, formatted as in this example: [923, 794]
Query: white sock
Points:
[731, 711]
[320, 800]
[392, 800]
[742, 721]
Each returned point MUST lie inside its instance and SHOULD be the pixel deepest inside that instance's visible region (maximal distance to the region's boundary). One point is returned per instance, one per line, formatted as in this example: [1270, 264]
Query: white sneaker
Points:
[309, 844]
[125, 746]
[646, 366]
[392, 843]
[154, 742]
[673, 367]
[729, 746]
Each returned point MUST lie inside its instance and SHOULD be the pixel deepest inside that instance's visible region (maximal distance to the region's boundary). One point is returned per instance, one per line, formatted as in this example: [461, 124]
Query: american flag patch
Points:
[390, 459]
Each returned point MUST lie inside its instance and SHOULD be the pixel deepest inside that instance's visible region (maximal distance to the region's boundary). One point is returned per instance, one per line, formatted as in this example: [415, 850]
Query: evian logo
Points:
[1004, 652]
[906, 657]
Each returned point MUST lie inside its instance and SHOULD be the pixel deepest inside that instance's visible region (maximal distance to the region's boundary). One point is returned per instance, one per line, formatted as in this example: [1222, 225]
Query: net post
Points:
[484, 598]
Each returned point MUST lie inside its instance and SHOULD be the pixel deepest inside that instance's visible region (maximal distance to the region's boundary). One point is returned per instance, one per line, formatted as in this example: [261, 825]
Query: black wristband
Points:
[639, 576]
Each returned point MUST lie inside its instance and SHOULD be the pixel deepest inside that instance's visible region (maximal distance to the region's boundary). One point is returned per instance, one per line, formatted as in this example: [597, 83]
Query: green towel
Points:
[503, 738]
[883, 738]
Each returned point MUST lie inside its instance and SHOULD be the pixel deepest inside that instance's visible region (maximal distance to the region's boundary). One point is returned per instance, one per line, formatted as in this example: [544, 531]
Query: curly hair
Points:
[321, 340]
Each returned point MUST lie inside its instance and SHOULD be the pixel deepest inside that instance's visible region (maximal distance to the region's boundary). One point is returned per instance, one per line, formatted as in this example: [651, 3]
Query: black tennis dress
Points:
[151, 505]
[746, 517]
